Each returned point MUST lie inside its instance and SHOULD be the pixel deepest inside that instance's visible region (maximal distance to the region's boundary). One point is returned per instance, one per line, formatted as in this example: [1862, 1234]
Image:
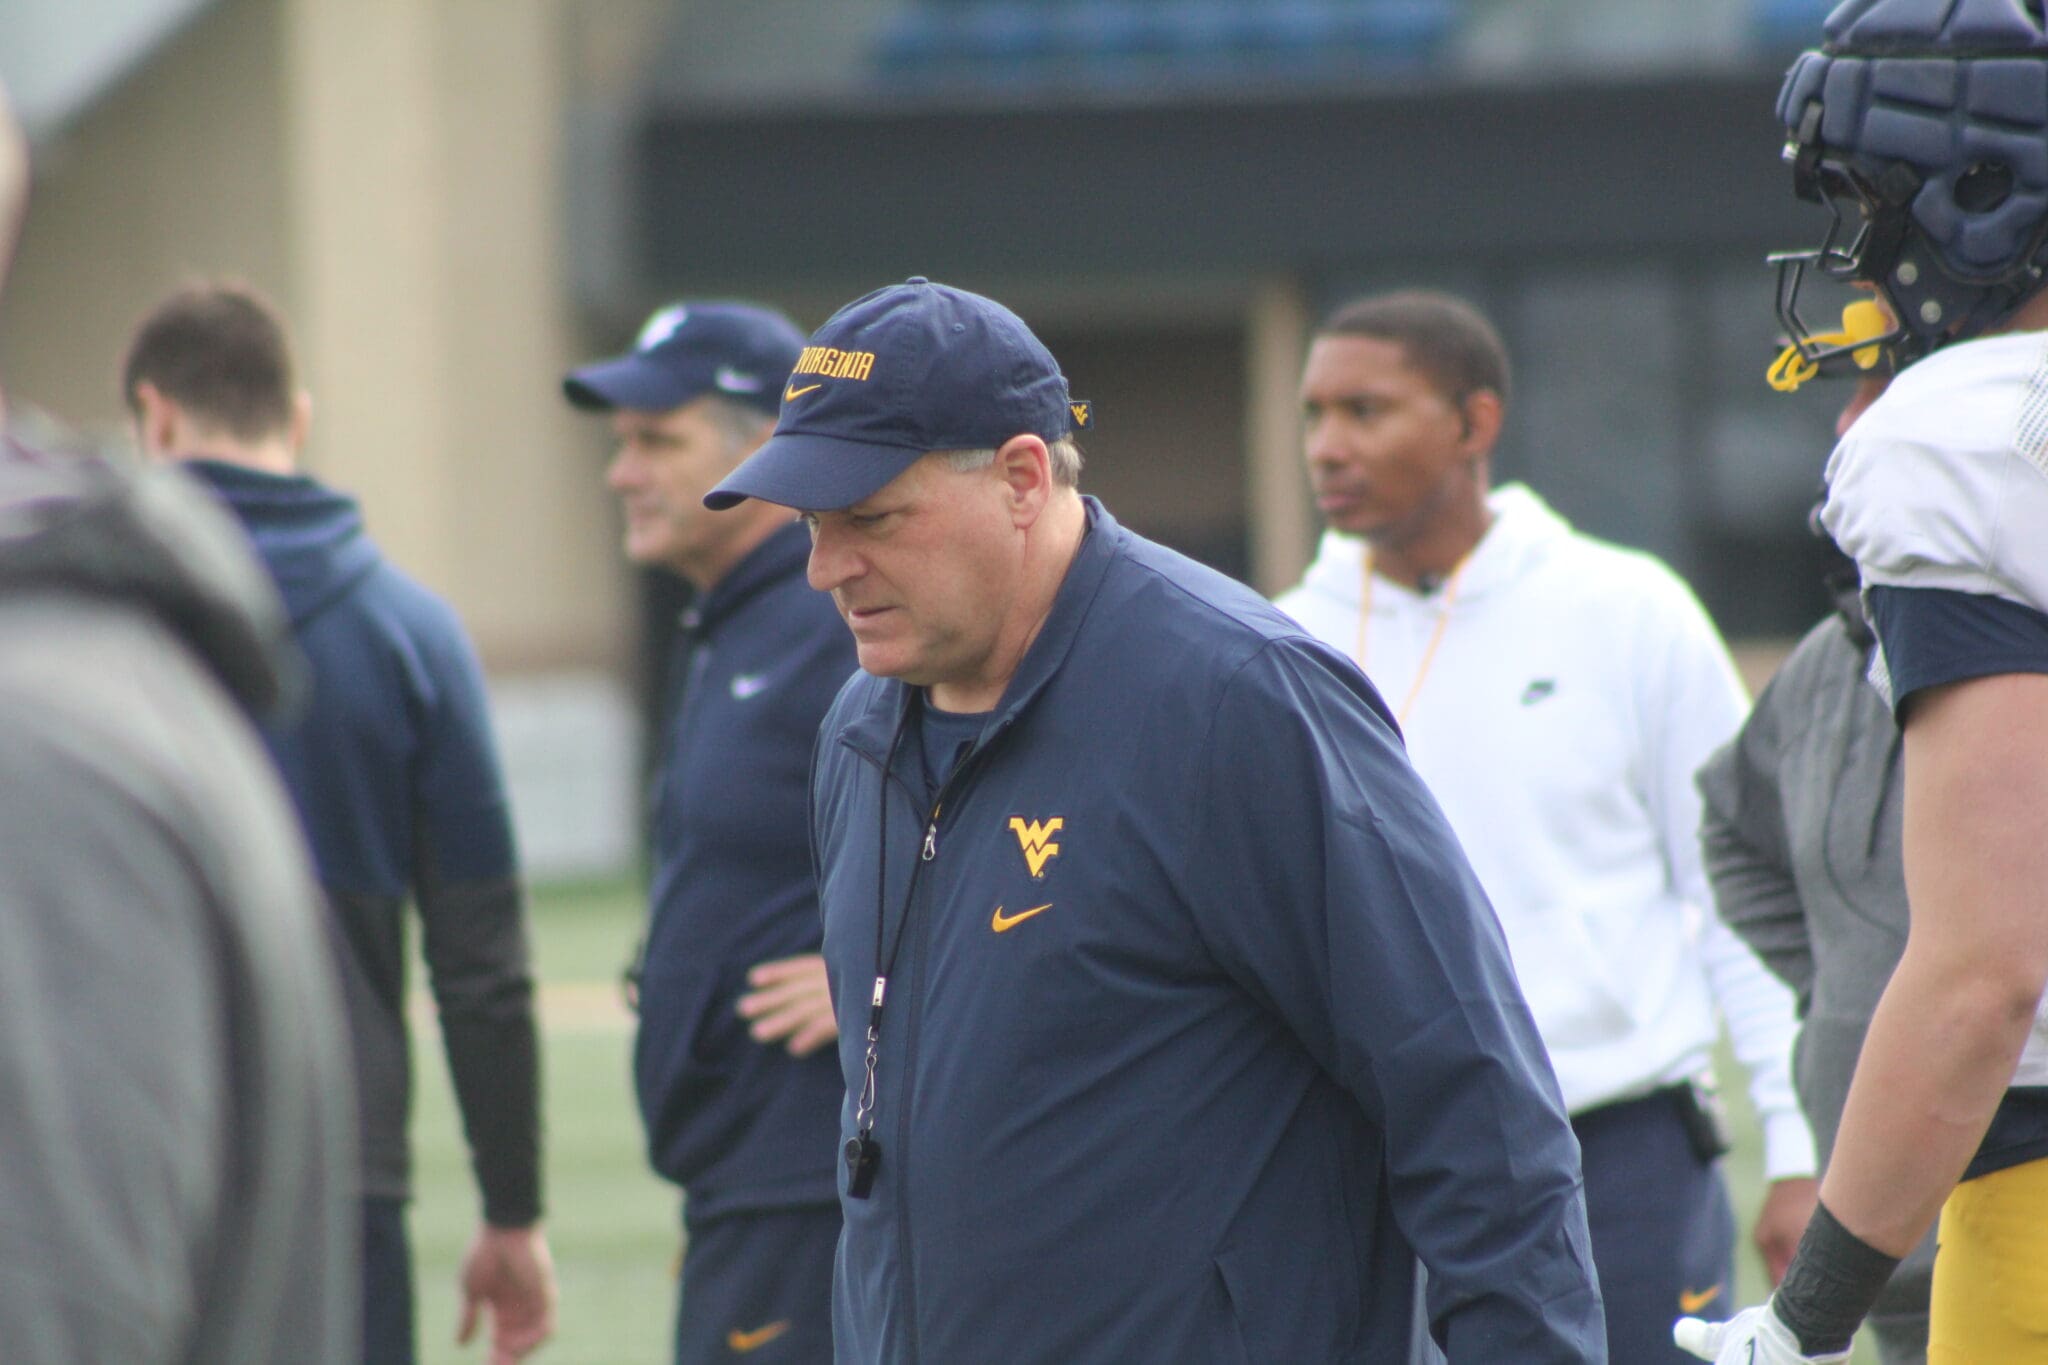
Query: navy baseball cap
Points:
[738, 351]
[891, 377]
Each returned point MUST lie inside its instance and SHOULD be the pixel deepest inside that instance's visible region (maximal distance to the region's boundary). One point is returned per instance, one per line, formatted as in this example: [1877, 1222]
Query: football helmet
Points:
[1922, 127]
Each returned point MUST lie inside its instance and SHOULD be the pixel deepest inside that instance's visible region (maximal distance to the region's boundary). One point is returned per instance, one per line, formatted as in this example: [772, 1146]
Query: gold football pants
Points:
[1990, 1302]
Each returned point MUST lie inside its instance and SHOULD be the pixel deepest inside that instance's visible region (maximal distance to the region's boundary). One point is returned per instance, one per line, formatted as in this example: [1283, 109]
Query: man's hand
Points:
[1754, 1336]
[1788, 1205]
[509, 1269]
[791, 1004]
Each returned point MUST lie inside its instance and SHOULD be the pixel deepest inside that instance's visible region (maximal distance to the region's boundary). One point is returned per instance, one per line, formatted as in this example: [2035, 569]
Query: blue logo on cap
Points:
[690, 349]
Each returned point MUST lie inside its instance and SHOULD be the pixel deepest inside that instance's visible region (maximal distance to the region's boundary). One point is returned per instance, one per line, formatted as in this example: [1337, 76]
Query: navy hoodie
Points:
[1198, 1030]
[395, 775]
[739, 1124]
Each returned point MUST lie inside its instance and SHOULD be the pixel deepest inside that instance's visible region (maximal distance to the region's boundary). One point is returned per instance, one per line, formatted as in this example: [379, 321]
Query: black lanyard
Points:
[863, 1153]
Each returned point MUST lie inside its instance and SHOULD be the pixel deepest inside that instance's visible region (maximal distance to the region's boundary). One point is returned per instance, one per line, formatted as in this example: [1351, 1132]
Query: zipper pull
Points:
[931, 840]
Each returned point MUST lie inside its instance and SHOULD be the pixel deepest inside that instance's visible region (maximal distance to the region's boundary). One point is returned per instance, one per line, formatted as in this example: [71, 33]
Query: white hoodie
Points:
[1572, 691]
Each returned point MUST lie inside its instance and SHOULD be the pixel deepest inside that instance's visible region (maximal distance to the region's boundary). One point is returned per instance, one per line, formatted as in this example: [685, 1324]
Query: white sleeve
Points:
[1757, 1009]
[1698, 705]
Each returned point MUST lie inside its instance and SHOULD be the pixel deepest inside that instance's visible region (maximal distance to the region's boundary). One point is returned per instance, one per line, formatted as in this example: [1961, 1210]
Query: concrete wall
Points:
[389, 173]
[178, 172]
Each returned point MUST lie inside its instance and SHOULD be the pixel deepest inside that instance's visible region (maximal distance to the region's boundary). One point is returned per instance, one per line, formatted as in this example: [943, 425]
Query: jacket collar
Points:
[889, 701]
[784, 554]
[310, 536]
[146, 536]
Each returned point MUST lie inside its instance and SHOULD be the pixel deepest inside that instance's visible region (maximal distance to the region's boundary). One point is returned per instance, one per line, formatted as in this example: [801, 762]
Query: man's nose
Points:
[622, 471]
[1320, 443]
[831, 564]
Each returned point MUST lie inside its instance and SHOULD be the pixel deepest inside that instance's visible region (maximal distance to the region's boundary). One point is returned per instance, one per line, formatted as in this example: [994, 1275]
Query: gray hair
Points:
[1066, 461]
[738, 423]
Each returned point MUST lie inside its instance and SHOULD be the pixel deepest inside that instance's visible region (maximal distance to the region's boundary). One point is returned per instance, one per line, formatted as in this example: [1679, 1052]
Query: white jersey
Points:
[1558, 708]
[1943, 483]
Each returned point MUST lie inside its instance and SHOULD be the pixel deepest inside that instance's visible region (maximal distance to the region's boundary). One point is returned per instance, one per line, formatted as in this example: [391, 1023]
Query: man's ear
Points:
[157, 419]
[302, 422]
[1025, 467]
[1483, 413]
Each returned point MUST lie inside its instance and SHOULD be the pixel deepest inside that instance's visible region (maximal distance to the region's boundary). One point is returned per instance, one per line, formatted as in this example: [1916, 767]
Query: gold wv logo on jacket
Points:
[1035, 840]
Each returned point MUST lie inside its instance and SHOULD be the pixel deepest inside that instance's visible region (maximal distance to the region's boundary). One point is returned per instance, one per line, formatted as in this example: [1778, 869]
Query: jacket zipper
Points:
[899, 1141]
[911, 1034]
[928, 851]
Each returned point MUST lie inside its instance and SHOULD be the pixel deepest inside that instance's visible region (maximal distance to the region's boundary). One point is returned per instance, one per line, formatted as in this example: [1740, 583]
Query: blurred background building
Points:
[454, 200]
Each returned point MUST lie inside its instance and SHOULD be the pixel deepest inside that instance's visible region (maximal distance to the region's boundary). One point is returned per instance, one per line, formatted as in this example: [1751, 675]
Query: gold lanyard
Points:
[1436, 637]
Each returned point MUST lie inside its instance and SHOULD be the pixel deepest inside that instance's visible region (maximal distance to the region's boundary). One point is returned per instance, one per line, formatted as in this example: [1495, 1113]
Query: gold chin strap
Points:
[1861, 319]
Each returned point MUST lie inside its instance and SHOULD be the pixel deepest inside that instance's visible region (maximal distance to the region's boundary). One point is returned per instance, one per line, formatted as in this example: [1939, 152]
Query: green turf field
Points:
[611, 1223]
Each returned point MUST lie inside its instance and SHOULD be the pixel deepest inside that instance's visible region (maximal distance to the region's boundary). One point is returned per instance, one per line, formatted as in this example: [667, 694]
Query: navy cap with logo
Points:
[738, 351]
[892, 376]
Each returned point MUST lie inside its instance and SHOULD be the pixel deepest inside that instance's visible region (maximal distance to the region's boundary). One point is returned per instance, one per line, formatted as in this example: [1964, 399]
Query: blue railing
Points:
[1014, 39]
[951, 43]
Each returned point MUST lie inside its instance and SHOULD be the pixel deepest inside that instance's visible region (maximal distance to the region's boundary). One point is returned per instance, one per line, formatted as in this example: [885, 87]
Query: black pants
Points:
[1663, 1230]
[757, 1285]
[387, 1284]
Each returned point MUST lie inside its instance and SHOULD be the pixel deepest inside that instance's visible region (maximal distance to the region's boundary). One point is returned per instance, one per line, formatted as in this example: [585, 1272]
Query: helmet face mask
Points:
[1848, 256]
[1873, 241]
[1922, 128]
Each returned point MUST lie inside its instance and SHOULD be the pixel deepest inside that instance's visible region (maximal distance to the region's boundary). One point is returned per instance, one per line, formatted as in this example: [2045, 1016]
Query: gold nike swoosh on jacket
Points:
[739, 1343]
[1002, 923]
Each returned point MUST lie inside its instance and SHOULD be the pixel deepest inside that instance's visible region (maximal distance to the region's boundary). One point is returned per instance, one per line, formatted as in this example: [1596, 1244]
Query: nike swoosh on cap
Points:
[733, 381]
[790, 391]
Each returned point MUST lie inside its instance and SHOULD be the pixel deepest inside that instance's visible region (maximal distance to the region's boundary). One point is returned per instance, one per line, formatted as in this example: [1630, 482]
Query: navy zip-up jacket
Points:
[739, 1124]
[1200, 1029]
[395, 775]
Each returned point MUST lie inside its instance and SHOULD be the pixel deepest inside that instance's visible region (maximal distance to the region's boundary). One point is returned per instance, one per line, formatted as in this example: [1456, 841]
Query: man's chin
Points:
[1346, 516]
[879, 662]
[1357, 526]
[647, 551]
[884, 661]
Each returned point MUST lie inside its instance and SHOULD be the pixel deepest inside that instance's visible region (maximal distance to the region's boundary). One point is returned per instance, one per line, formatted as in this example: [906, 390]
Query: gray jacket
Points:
[1801, 830]
[178, 1177]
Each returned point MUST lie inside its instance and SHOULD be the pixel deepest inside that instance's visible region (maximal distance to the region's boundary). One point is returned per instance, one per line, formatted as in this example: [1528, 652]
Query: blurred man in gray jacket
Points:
[177, 1155]
[1801, 829]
